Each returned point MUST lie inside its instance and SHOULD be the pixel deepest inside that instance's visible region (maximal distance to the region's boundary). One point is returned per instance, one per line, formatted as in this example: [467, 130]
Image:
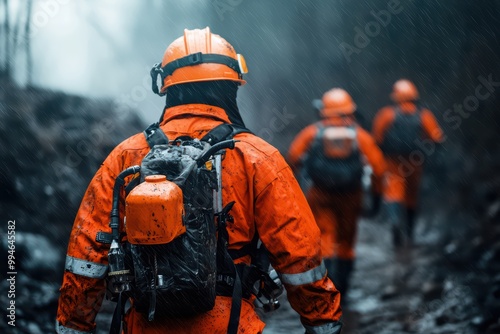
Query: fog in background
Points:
[295, 50]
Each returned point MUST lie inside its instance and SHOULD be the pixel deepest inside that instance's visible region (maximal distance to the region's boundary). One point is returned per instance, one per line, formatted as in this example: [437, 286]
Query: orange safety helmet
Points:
[404, 91]
[197, 56]
[337, 102]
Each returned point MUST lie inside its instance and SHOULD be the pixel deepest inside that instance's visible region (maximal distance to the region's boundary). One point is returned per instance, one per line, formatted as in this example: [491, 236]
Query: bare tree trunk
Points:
[7, 39]
[27, 38]
[16, 34]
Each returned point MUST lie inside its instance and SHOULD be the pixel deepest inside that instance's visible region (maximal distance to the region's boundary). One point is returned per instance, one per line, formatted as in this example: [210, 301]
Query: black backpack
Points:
[334, 161]
[182, 277]
[402, 135]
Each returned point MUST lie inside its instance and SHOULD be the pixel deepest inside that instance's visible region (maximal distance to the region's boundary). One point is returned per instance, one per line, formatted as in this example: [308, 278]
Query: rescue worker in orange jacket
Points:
[337, 209]
[201, 74]
[406, 133]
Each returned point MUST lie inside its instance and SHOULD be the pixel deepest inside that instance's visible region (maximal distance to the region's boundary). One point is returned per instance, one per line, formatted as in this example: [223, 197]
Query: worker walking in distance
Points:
[404, 130]
[333, 153]
[193, 266]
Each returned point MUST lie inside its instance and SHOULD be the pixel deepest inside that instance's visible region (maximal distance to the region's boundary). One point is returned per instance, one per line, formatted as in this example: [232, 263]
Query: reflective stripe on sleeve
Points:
[306, 277]
[85, 268]
[60, 329]
[329, 328]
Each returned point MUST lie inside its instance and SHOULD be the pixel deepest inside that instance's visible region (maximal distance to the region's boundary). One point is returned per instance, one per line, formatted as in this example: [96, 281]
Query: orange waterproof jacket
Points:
[303, 141]
[268, 201]
[384, 118]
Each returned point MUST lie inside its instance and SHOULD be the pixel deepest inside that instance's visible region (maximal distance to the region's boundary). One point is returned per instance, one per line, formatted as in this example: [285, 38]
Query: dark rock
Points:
[432, 290]
[389, 292]
[443, 319]
[494, 328]
[51, 144]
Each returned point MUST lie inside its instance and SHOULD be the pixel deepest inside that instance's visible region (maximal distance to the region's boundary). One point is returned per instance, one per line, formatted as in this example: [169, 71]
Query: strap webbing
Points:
[226, 267]
[155, 135]
[116, 322]
[200, 58]
[223, 132]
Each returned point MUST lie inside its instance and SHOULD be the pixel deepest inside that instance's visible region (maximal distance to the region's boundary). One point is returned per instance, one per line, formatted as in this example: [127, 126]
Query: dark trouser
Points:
[410, 220]
[402, 221]
[339, 271]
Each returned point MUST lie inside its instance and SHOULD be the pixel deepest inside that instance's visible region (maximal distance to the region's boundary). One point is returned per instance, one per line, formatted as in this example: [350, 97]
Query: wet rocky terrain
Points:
[414, 290]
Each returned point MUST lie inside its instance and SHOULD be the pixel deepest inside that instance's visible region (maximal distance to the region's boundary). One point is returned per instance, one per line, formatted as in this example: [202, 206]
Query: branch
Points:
[7, 39]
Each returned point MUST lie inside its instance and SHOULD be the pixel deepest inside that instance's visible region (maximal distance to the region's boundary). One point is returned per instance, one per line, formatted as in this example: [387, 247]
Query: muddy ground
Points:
[405, 291]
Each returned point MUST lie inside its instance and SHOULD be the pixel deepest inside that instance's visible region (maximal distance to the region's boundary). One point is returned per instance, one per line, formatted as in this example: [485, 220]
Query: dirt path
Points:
[403, 292]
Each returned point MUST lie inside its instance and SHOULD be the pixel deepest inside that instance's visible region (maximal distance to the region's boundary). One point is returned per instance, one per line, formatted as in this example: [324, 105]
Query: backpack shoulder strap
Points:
[155, 135]
[354, 128]
[419, 111]
[320, 131]
[398, 111]
[223, 132]
[316, 142]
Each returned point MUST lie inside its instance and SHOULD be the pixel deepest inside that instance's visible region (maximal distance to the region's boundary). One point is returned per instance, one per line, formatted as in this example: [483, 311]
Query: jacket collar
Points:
[197, 110]
[338, 121]
[407, 107]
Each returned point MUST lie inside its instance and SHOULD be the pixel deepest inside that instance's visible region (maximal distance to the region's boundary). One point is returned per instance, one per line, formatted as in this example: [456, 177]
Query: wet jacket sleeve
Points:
[287, 228]
[382, 121]
[83, 286]
[374, 156]
[431, 126]
[300, 146]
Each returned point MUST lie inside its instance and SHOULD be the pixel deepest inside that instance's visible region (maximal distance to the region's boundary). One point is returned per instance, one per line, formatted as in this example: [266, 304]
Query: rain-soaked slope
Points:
[409, 291]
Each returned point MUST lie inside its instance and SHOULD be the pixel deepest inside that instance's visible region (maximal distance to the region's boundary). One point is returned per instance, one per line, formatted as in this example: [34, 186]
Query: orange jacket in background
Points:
[336, 213]
[269, 202]
[403, 173]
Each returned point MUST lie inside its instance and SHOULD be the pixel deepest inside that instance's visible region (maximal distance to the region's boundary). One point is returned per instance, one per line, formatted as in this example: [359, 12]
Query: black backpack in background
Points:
[334, 161]
[402, 136]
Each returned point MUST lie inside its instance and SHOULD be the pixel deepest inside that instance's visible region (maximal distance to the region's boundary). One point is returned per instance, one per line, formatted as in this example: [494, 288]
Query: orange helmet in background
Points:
[404, 91]
[337, 102]
[198, 56]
